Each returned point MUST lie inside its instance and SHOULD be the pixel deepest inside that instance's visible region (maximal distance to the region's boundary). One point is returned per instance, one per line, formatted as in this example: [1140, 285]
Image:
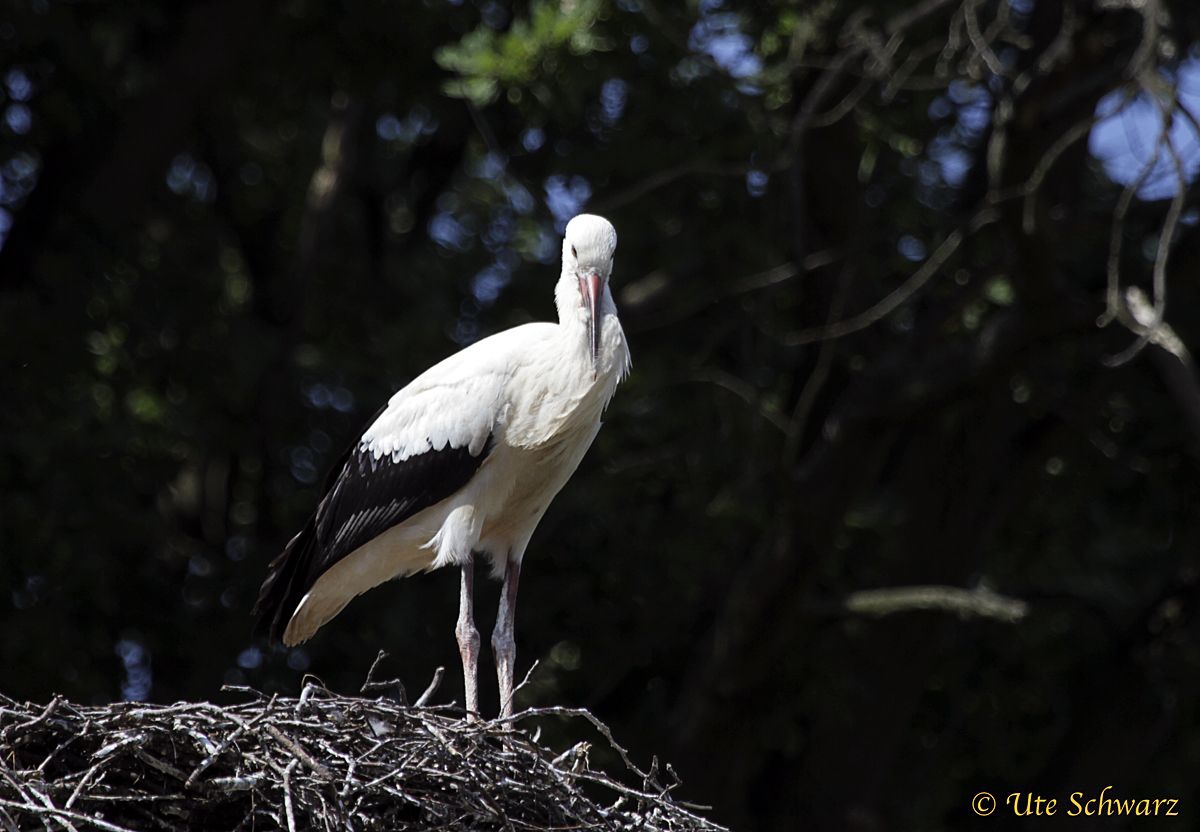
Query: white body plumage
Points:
[528, 401]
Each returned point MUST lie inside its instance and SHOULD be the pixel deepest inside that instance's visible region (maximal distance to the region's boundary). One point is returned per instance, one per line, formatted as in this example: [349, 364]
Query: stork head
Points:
[588, 246]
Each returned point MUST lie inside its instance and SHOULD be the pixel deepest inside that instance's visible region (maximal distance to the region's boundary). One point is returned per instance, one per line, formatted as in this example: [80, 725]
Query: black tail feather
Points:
[284, 586]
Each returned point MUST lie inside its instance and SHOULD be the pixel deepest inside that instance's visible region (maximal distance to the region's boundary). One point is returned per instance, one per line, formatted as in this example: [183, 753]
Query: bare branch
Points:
[899, 295]
[816, 379]
[744, 391]
[979, 602]
[1147, 331]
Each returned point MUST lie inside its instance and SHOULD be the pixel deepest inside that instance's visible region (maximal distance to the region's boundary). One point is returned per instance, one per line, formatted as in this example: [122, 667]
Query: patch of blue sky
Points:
[18, 84]
[466, 327]
[318, 395]
[303, 464]
[139, 678]
[940, 108]
[911, 248]
[565, 197]
[532, 139]
[18, 118]
[719, 35]
[508, 258]
[388, 128]
[490, 166]
[250, 658]
[322, 396]
[756, 182]
[975, 117]
[189, 177]
[973, 106]
[419, 121]
[952, 159]
[489, 282]
[448, 232]
[498, 233]
[18, 176]
[298, 659]
[519, 198]
[950, 150]
[546, 249]
[614, 93]
[1126, 139]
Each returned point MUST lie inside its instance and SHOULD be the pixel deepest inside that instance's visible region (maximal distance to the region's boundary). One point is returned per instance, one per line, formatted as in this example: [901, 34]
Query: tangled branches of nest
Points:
[319, 761]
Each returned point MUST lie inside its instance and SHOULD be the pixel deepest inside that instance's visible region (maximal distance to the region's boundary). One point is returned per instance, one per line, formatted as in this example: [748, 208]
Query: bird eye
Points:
[574, 253]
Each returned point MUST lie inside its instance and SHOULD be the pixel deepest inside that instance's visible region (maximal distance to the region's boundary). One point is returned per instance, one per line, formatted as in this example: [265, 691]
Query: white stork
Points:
[464, 459]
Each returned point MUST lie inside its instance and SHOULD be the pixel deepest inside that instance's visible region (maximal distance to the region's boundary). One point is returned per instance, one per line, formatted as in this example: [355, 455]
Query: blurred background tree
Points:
[909, 288]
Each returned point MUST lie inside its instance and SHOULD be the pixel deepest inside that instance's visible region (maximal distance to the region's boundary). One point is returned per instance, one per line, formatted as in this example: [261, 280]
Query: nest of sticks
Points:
[317, 761]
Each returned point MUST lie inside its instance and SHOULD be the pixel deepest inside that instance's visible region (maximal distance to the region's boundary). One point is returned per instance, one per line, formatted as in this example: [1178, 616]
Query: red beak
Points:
[589, 287]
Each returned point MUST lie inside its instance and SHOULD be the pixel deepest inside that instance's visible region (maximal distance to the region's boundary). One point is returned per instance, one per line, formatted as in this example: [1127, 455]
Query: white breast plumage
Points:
[466, 458]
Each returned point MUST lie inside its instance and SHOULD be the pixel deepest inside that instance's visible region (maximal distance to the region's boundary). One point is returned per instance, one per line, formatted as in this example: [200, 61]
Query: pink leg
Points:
[504, 644]
[468, 638]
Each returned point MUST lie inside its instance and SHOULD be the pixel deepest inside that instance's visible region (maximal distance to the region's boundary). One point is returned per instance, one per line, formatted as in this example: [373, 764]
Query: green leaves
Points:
[486, 61]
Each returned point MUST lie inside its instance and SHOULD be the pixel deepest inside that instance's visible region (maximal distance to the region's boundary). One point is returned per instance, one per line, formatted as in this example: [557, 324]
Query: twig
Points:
[525, 681]
[38, 720]
[287, 795]
[434, 684]
[299, 752]
[63, 816]
[371, 685]
[596, 723]
[230, 740]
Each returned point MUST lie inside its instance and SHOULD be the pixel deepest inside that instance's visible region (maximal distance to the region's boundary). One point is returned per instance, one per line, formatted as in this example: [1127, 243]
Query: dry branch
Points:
[321, 761]
[977, 602]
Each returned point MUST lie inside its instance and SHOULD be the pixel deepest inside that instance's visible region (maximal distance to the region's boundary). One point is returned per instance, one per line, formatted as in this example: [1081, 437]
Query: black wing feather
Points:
[372, 495]
[363, 497]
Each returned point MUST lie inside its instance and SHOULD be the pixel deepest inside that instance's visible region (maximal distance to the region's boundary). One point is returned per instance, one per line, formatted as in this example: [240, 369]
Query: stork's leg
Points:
[504, 645]
[468, 637]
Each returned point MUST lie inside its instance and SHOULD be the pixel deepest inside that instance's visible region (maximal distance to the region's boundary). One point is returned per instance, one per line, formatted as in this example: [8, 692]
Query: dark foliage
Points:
[901, 500]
